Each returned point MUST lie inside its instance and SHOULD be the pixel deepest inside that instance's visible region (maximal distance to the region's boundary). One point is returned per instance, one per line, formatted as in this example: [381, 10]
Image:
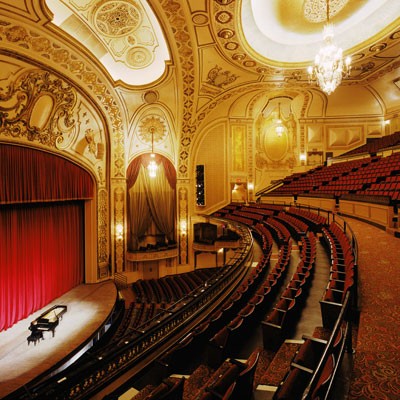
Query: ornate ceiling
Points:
[277, 39]
[124, 35]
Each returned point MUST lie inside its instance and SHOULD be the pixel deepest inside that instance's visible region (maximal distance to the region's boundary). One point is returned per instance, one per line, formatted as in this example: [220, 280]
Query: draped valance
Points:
[29, 175]
[134, 167]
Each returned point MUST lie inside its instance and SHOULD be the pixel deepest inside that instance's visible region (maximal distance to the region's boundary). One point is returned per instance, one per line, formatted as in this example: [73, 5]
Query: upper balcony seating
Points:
[375, 144]
[370, 176]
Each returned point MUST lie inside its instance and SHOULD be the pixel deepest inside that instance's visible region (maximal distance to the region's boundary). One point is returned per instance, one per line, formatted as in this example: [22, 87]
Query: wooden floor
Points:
[88, 308]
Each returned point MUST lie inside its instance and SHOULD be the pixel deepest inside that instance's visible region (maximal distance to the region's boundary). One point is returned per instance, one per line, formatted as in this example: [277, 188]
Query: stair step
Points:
[280, 363]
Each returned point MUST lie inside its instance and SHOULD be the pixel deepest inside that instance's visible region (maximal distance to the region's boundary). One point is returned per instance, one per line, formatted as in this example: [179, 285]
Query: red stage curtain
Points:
[41, 256]
[29, 175]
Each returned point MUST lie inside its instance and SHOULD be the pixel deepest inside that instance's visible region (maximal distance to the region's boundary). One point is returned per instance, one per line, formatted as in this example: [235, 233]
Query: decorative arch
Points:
[151, 203]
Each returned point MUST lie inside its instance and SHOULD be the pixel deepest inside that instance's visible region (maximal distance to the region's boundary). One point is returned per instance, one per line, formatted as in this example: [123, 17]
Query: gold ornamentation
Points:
[95, 148]
[102, 227]
[219, 78]
[23, 99]
[183, 222]
[139, 57]
[20, 38]
[223, 17]
[117, 19]
[152, 128]
[119, 210]
[178, 25]
[315, 10]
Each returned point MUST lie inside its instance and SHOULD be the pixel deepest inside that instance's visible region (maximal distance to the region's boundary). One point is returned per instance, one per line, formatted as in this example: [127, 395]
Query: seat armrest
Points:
[303, 368]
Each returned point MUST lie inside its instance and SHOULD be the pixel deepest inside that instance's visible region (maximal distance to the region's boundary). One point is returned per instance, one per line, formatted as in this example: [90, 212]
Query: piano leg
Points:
[35, 337]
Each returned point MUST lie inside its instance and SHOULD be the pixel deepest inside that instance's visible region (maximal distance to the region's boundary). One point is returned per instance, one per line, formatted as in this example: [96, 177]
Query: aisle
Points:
[376, 363]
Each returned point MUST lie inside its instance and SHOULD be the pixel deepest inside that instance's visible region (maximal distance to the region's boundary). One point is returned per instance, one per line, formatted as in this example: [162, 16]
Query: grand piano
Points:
[46, 321]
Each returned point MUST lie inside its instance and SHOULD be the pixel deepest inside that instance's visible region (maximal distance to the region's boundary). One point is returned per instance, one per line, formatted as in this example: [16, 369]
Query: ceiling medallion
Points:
[151, 96]
[117, 19]
[139, 57]
[315, 10]
[152, 129]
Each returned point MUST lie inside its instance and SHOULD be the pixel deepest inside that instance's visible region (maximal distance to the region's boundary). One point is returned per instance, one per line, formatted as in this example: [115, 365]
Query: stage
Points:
[88, 308]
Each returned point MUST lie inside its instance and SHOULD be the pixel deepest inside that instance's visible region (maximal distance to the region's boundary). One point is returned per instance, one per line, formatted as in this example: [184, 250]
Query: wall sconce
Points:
[250, 186]
[119, 229]
[303, 157]
[183, 226]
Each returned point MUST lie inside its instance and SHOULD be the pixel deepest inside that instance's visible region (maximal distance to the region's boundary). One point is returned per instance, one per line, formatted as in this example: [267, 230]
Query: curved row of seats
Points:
[240, 312]
[313, 367]
[169, 288]
[225, 342]
[284, 314]
[342, 274]
[313, 220]
[373, 145]
[369, 176]
[233, 380]
[316, 358]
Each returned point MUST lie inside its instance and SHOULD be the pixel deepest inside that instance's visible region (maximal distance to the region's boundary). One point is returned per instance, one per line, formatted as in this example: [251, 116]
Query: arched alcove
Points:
[151, 204]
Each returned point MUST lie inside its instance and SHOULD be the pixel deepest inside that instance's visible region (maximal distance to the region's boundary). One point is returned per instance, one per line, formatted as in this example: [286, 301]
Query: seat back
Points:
[323, 384]
[244, 382]
[175, 392]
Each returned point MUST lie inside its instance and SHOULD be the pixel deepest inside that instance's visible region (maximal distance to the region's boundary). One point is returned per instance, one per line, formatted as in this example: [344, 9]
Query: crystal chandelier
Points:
[329, 67]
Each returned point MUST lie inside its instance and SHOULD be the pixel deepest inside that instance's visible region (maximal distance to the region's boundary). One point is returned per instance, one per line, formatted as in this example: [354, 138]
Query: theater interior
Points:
[199, 199]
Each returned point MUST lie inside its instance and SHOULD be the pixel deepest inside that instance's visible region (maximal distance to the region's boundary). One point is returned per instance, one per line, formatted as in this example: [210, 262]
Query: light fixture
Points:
[329, 67]
[152, 167]
[279, 128]
[119, 228]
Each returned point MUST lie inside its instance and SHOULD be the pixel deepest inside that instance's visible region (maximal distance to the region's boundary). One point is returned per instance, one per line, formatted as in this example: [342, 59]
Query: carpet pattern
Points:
[264, 361]
[280, 365]
[376, 367]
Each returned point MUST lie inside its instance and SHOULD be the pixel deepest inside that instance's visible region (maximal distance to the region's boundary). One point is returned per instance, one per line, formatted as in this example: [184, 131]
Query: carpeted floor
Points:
[376, 367]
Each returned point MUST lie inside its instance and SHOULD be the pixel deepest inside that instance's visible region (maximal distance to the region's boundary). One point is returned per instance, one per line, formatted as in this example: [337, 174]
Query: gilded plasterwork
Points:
[152, 128]
[343, 136]
[102, 227]
[176, 18]
[239, 148]
[272, 150]
[119, 218]
[39, 107]
[183, 224]
[123, 26]
[19, 39]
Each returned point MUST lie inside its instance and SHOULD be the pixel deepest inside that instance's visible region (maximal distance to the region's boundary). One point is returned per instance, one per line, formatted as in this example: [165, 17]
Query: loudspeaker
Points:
[200, 186]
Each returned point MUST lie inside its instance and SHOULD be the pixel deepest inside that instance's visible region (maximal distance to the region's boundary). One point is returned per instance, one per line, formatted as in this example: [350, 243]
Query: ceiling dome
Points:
[286, 31]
